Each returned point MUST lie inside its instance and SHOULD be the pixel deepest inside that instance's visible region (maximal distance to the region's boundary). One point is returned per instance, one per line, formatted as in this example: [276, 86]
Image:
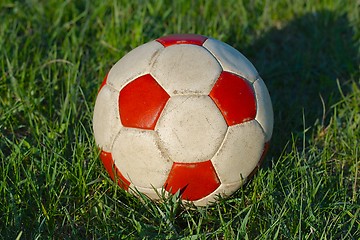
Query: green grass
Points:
[53, 56]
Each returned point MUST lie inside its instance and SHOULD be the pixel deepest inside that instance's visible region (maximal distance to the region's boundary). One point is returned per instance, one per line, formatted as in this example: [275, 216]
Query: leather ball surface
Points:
[183, 113]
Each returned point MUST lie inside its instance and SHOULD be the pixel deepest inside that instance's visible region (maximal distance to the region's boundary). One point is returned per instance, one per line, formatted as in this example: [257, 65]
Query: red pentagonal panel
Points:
[103, 82]
[141, 102]
[182, 39]
[235, 98]
[110, 167]
[194, 180]
[265, 150]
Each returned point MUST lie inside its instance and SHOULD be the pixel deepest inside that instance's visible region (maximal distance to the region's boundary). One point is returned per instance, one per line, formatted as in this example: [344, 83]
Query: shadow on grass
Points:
[300, 62]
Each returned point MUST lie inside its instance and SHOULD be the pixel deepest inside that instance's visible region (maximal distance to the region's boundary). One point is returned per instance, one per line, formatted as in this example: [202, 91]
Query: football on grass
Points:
[183, 114]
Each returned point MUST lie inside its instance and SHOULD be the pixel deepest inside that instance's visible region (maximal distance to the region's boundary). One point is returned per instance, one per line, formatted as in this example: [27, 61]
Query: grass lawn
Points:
[53, 57]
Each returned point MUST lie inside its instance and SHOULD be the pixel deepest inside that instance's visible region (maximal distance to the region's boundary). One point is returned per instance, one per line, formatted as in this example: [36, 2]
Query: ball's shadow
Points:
[300, 64]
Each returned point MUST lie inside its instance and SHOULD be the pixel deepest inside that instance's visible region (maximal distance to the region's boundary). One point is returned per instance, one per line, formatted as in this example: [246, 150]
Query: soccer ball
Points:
[183, 113]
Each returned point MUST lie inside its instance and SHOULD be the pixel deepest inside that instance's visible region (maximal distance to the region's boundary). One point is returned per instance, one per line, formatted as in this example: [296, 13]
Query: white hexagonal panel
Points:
[106, 120]
[224, 190]
[191, 128]
[240, 152]
[186, 69]
[231, 60]
[138, 157]
[264, 114]
[152, 193]
[136, 63]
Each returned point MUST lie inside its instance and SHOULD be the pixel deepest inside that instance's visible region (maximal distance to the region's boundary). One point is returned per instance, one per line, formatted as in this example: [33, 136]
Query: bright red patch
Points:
[141, 102]
[235, 98]
[182, 39]
[110, 167]
[103, 82]
[194, 180]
